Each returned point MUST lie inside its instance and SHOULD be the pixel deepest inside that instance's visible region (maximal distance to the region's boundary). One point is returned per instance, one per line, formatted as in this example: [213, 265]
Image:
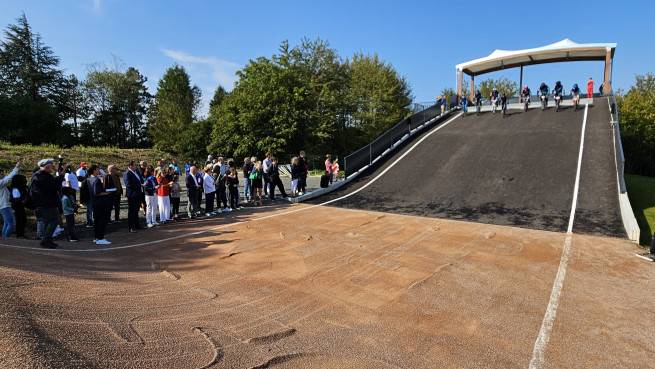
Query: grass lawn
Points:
[29, 155]
[641, 191]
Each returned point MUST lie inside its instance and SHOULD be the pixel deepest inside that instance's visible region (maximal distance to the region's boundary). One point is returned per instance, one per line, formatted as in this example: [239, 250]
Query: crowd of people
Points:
[58, 191]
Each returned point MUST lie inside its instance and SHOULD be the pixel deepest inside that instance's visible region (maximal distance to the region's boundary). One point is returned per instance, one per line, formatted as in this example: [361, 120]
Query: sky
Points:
[423, 40]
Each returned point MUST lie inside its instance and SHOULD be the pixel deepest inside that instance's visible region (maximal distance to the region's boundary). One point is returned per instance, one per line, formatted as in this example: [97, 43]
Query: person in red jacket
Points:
[590, 88]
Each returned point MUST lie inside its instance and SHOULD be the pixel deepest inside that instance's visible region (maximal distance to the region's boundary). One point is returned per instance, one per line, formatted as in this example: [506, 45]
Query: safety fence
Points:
[627, 215]
[368, 154]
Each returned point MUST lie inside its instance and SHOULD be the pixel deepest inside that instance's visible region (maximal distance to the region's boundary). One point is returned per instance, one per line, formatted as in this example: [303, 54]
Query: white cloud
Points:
[221, 71]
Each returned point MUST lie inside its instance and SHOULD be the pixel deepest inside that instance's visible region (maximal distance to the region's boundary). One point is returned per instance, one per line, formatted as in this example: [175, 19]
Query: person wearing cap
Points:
[81, 171]
[5, 203]
[44, 191]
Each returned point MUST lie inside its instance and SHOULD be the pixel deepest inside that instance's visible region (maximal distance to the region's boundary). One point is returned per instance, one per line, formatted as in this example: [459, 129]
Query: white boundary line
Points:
[540, 345]
[41, 250]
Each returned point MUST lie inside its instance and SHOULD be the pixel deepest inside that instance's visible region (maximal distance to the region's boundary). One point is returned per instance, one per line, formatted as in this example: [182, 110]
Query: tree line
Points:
[303, 97]
[637, 119]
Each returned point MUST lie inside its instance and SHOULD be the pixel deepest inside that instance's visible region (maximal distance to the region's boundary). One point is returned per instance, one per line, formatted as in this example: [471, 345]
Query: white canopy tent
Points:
[562, 51]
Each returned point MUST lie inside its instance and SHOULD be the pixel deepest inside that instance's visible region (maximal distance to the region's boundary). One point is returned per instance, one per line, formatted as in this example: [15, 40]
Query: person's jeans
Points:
[49, 218]
[247, 188]
[8, 219]
[89, 212]
[234, 197]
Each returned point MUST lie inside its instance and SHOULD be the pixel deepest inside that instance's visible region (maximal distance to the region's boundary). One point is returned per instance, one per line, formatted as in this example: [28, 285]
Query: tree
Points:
[219, 96]
[33, 89]
[118, 103]
[637, 109]
[174, 110]
[504, 85]
[379, 95]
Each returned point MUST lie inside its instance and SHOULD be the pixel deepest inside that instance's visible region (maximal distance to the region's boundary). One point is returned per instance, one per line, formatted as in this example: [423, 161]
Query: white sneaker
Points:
[103, 242]
[57, 231]
[209, 214]
[219, 211]
[150, 225]
[229, 210]
[155, 224]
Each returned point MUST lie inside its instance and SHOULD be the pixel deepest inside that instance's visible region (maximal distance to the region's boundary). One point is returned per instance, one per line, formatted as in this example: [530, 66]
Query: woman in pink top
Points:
[335, 169]
[328, 166]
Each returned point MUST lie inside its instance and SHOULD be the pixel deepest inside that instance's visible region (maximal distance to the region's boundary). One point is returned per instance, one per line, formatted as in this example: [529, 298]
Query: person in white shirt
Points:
[209, 188]
[70, 180]
[266, 167]
[81, 171]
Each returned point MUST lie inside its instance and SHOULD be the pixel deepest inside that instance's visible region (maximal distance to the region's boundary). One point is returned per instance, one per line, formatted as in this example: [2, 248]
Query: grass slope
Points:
[29, 155]
[641, 191]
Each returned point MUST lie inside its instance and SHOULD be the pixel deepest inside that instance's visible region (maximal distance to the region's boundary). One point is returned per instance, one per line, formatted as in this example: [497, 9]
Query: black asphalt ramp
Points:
[598, 209]
[518, 170]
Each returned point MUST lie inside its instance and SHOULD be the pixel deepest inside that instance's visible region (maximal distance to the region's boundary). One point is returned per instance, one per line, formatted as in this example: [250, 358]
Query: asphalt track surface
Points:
[518, 170]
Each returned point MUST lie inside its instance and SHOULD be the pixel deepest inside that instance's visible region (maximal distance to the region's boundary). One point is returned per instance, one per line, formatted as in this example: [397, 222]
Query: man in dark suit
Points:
[133, 192]
[193, 189]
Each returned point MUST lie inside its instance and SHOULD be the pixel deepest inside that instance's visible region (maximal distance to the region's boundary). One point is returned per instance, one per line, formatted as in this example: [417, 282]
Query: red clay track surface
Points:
[322, 287]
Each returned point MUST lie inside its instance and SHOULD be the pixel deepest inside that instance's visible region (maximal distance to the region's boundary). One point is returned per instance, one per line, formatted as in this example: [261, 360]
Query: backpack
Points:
[254, 174]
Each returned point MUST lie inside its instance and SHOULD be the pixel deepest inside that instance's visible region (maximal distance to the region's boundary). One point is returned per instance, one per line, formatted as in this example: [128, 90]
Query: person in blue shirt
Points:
[464, 104]
[575, 93]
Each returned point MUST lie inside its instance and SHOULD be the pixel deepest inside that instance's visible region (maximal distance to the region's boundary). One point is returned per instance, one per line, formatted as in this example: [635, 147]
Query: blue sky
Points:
[422, 39]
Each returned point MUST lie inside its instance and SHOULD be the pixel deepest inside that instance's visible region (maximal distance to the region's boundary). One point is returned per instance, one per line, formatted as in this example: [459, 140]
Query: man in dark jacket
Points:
[133, 192]
[44, 192]
[193, 188]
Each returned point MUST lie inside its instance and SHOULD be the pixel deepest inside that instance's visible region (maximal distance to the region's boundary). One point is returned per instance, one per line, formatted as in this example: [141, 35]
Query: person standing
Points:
[71, 180]
[150, 188]
[5, 203]
[192, 192]
[113, 181]
[163, 196]
[220, 178]
[296, 172]
[210, 190]
[176, 191]
[81, 171]
[68, 209]
[45, 197]
[328, 166]
[274, 173]
[101, 200]
[133, 192]
[590, 89]
[335, 169]
[18, 203]
[233, 187]
[304, 169]
[247, 185]
[256, 177]
[266, 168]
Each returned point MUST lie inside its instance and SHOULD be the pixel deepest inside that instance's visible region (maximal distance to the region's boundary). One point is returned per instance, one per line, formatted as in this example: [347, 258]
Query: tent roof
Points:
[565, 50]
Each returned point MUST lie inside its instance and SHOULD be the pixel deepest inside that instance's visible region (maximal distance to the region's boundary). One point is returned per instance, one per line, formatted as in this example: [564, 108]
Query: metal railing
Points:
[620, 158]
[368, 154]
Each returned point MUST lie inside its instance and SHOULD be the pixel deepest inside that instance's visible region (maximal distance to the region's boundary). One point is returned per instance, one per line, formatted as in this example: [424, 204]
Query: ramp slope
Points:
[518, 170]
